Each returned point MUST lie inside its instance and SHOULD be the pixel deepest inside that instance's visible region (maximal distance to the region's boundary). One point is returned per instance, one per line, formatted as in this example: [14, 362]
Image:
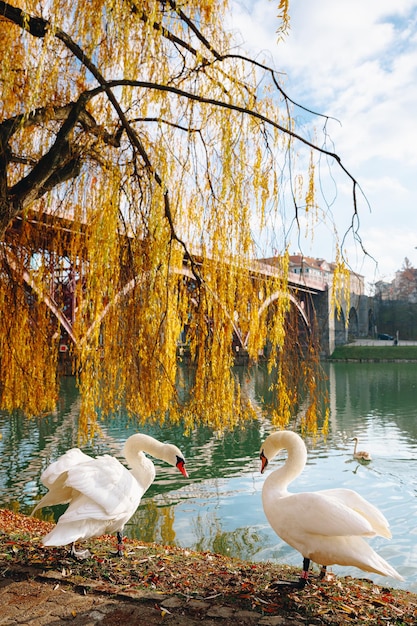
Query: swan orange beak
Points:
[181, 467]
[264, 462]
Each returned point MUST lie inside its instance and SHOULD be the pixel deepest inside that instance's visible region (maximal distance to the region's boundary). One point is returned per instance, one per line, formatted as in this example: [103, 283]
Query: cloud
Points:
[356, 61]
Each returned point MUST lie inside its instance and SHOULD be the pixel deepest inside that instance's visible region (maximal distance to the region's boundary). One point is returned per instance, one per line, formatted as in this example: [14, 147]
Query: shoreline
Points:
[157, 584]
[370, 351]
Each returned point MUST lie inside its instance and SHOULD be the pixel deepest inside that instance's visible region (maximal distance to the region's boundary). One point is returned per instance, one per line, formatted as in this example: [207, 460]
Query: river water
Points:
[219, 507]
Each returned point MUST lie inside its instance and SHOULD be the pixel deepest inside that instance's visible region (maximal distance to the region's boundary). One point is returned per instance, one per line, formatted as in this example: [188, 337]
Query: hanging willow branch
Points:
[135, 147]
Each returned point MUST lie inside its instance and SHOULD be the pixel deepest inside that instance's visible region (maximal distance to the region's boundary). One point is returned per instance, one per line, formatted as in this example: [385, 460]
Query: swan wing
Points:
[107, 484]
[82, 510]
[83, 519]
[54, 477]
[68, 460]
[331, 517]
[353, 500]
[315, 514]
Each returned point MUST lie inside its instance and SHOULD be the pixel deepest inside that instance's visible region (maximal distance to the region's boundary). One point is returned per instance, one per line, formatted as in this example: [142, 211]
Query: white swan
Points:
[325, 526]
[361, 455]
[102, 494]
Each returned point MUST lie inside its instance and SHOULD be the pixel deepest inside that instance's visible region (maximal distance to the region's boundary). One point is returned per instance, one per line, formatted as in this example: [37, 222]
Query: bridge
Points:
[310, 295]
[351, 319]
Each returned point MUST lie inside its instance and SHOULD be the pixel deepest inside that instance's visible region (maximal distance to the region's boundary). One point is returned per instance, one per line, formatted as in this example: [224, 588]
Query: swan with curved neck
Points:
[328, 526]
[102, 493]
[361, 455]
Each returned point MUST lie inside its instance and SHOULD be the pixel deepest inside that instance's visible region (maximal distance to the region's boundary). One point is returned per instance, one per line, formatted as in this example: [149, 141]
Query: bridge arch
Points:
[353, 323]
[272, 298]
[339, 327]
[243, 341]
[67, 325]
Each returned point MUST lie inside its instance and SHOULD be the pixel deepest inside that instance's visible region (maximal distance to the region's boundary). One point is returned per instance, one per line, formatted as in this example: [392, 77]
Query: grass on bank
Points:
[375, 353]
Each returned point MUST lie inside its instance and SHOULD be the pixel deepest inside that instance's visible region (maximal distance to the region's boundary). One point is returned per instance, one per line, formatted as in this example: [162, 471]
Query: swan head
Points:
[283, 440]
[173, 455]
[180, 464]
[168, 452]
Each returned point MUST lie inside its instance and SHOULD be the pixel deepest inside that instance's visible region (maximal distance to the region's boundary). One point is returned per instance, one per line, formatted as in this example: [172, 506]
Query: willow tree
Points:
[140, 157]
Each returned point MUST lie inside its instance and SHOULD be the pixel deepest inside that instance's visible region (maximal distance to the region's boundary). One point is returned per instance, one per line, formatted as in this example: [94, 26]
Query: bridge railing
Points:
[318, 283]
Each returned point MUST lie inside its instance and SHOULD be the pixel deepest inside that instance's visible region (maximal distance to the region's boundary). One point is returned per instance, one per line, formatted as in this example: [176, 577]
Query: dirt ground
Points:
[49, 603]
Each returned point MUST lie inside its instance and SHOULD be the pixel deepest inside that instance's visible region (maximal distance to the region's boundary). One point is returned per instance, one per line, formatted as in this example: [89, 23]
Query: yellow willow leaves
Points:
[284, 17]
[277, 321]
[310, 195]
[341, 286]
[28, 352]
[210, 335]
[12, 71]
[298, 390]
[311, 207]
[98, 283]
[261, 181]
[316, 411]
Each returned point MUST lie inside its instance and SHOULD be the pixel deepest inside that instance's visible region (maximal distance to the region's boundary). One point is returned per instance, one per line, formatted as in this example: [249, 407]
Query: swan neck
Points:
[141, 466]
[136, 444]
[294, 464]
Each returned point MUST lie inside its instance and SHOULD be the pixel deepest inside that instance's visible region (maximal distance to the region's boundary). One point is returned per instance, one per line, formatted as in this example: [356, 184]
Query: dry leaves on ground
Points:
[190, 575]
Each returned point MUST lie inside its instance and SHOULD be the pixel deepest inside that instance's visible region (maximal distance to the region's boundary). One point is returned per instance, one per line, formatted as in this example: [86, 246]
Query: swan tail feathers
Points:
[65, 533]
[371, 561]
[52, 498]
[384, 568]
[61, 536]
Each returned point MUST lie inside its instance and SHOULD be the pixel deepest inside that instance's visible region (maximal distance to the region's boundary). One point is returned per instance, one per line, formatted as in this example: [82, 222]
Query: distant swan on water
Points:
[361, 455]
[102, 493]
[326, 526]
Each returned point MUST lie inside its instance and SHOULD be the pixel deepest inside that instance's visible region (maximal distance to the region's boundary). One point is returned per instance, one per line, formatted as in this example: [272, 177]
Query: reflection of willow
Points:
[15, 442]
[242, 543]
[152, 523]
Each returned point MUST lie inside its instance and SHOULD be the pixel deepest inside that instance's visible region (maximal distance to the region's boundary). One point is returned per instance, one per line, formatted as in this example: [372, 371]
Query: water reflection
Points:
[219, 507]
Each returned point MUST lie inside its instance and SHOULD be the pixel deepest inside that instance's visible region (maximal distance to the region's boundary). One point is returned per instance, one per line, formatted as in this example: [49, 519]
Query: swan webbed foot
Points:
[119, 553]
[289, 585]
[80, 555]
[298, 584]
[303, 580]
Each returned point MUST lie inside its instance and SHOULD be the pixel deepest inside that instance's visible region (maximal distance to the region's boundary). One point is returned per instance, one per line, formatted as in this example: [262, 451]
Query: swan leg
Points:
[79, 554]
[304, 574]
[119, 543]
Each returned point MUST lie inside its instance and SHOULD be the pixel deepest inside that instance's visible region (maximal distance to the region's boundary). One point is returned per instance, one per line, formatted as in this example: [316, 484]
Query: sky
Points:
[354, 60]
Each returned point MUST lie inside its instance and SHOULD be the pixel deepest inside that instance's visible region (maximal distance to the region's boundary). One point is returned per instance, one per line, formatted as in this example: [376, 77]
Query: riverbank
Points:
[374, 351]
[156, 585]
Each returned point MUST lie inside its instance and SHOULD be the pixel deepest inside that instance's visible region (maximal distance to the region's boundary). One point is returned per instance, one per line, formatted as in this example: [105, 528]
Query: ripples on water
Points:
[219, 508]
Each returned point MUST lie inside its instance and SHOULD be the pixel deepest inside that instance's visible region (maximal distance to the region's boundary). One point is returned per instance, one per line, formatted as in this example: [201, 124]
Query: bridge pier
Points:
[337, 330]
